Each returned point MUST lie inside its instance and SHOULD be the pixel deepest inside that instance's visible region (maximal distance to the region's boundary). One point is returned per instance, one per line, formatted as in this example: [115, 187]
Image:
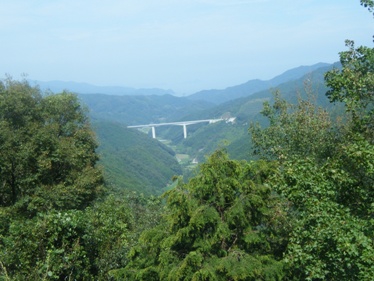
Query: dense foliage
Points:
[134, 161]
[354, 86]
[47, 151]
[51, 225]
[326, 173]
[295, 131]
[224, 224]
[302, 209]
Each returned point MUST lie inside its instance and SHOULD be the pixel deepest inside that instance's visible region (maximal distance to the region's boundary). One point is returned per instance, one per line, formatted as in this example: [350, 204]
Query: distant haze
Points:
[214, 96]
[183, 46]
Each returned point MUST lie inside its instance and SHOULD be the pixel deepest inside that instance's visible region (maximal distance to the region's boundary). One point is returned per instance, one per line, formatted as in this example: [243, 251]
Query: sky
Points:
[182, 45]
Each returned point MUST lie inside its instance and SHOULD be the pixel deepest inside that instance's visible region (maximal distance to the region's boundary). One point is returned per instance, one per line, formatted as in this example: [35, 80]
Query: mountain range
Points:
[85, 88]
[214, 95]
[253, 86]
[135, 161]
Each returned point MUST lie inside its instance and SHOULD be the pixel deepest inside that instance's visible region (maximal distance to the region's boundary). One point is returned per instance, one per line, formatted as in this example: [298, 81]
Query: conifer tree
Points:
[224, 224]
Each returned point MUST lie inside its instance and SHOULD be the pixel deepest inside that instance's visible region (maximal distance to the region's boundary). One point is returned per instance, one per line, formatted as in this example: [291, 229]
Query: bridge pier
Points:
[153, 132]
[185, 130]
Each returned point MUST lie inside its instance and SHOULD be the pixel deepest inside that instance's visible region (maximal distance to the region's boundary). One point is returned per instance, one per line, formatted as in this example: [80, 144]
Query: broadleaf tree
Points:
[332, 194]
[48, 150]
[48, 176]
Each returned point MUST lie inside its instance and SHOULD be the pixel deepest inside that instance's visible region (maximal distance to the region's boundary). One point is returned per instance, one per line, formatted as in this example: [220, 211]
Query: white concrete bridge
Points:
[182, 123]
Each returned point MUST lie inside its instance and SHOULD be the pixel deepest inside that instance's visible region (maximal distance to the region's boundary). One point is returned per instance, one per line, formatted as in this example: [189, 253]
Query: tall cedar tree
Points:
[224, 224]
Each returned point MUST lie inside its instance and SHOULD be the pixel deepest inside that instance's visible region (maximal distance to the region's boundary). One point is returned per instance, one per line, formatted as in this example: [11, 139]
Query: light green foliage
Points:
[332, 236]
[294, 131]
[114, 226]
[49, 246]
[110, 223]
[81, 245]
[225, 224]
[354, 86]
[326, 171]
[356, 179]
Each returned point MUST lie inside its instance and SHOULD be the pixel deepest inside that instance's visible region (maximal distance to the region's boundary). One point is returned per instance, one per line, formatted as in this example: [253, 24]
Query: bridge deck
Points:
[181, 123]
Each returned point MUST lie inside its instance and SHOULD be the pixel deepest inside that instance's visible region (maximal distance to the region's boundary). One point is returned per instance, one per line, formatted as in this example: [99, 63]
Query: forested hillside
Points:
[203, 140]
[253, 86]
[301, 208]
[137, 110]
[302, 212]
[134, 161]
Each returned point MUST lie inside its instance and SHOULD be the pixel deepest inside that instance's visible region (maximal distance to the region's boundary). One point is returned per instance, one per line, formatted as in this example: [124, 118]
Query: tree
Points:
[353, 85]
[48, 176]
[114, 226]
[327, 177]
[49, 246]
[48, 150]
[224, 224]
[295, 130]
[369, 4]
[19, 116]
[326, 172]
[331, 239]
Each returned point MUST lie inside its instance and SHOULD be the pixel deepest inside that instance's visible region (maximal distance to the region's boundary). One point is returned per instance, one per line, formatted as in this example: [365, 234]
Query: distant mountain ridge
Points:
[137, 110]
[215, 96]
[253, 86]
[85, 88]
[146, 109]
[205, 139]
[123, 151]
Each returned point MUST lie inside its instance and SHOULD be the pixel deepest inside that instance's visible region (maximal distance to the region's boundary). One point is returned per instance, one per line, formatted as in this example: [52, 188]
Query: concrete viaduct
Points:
[184, 124]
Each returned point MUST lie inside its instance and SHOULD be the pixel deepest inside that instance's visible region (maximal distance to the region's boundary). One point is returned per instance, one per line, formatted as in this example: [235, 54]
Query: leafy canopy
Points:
[295, 130]
[354, 86]
[326, 173]
[48, 176]
[48, 150]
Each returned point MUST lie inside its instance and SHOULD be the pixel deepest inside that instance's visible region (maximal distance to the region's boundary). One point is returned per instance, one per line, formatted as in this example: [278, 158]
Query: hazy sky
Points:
[183, 45]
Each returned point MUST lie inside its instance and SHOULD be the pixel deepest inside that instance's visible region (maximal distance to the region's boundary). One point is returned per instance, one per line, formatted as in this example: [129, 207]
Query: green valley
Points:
[133, 161]
[281, 188]
[203, 139]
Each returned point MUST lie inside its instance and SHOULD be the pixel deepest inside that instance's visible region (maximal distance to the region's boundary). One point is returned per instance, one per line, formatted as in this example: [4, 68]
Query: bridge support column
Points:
[185, 131]
[153, 132]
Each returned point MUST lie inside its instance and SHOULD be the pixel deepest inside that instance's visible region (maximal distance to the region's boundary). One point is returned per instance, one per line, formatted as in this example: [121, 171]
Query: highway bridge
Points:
[184, 124]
